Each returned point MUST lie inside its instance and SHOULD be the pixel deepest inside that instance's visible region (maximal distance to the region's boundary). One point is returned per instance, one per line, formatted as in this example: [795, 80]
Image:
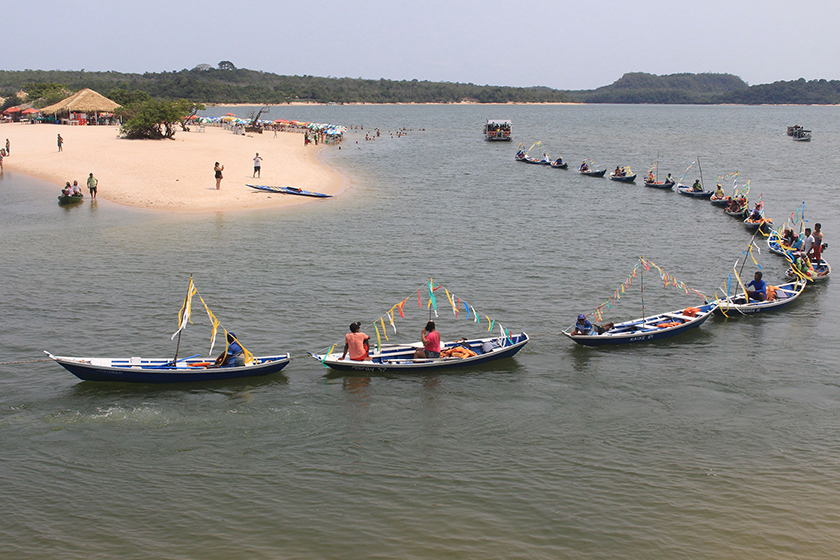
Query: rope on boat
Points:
[26, 361]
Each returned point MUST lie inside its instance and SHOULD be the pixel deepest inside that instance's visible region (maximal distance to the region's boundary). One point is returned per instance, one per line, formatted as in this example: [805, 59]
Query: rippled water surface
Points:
[721, 443]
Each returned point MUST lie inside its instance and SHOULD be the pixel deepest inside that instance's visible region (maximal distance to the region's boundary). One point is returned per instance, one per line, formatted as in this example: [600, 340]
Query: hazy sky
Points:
[565, 45]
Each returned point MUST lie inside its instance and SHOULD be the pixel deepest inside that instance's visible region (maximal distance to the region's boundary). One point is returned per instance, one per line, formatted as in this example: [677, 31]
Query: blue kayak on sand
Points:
[289, 190]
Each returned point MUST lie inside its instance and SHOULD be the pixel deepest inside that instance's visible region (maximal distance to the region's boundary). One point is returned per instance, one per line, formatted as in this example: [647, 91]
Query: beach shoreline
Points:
[174, 175]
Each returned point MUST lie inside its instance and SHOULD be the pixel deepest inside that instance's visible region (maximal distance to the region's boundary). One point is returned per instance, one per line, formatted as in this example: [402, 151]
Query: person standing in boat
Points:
[357, 343]
[431, 343]
[816, 252]
[807, 243]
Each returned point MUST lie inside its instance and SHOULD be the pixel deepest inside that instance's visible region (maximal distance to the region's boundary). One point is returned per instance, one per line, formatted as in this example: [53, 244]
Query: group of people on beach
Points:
[76, 190]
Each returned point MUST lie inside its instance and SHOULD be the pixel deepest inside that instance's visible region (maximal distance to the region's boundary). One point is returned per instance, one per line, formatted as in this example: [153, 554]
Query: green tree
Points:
[152, 119]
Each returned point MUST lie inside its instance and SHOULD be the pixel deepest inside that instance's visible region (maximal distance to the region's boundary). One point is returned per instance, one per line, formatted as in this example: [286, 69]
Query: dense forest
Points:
[228, 84]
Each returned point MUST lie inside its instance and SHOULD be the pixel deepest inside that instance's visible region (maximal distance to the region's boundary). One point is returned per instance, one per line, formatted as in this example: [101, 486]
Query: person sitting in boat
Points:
[77, 190]
[546, 159]
[697, 187]
[757, 212]
[669, 179]
[67, 190]
[520, 154]
[431, 343]
[357, 343]
[719, 193]
[558, 161]
[651, 177]
[619, 172]
[582, 326]
[584, 166]
[759, 293]
[233, 355]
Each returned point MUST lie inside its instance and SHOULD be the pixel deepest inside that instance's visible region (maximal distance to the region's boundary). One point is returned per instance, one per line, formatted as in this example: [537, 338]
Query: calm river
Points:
[719, 444]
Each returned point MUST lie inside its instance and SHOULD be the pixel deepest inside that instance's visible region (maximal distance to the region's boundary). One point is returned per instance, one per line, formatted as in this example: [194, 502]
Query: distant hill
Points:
[638, 87]
[814, 92]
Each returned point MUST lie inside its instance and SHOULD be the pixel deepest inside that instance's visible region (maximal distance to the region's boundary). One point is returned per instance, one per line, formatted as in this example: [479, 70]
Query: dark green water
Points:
[719, 444]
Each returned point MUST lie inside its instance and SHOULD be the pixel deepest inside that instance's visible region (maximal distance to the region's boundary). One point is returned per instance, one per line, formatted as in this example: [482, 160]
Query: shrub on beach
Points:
[155, 119]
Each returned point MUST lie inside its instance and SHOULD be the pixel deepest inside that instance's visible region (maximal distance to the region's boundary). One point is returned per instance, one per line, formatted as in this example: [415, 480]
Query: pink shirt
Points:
[356, 347]
[433, 341]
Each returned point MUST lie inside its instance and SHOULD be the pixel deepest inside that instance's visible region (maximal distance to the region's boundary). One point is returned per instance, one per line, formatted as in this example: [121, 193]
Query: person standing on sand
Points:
[1, 160]
[257, 165]
[60, 142]
[92, 184]
[218, 169]
[8, 149]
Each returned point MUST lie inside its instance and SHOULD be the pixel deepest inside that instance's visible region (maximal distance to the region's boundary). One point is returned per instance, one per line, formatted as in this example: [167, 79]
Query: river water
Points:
[721, 443]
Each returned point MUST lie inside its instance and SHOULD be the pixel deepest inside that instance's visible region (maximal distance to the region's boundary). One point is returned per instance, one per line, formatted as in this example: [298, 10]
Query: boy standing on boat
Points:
[357, 343]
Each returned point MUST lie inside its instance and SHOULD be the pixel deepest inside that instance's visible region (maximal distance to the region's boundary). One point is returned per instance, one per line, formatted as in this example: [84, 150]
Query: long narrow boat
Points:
[689, 191]
[594, 172]
[669, 185]
[289, 190]
[783, 295]
[190, 370]
[400, 357]
[762, 223]
[233, 363]
[820, 273]
[559, 164]
[627, 177]
[647, 329]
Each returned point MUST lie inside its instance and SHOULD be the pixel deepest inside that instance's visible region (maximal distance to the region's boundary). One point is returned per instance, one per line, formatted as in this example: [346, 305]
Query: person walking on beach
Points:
[60, 142]
[8, 149]
[257, 164]
[92, 184]
[218, 169]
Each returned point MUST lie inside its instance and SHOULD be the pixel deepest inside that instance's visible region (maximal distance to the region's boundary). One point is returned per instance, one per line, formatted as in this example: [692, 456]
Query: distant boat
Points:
[652, 179]
[624, 175]
[588, 168]
[559, 164]
[498, 130]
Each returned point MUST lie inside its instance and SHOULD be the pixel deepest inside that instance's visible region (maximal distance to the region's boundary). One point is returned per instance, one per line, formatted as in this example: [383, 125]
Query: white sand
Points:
[174, 175]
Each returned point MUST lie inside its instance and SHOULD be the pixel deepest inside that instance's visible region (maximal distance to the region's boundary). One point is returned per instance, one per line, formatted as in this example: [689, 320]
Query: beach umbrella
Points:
[29, 111]
[12, 110]
[229, 115]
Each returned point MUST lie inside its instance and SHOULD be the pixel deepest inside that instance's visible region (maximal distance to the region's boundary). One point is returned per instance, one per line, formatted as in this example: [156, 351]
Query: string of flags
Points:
[643, 265]
[427, 298]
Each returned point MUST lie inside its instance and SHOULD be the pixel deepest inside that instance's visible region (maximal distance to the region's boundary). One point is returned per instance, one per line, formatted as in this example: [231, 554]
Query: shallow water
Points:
[717, 444]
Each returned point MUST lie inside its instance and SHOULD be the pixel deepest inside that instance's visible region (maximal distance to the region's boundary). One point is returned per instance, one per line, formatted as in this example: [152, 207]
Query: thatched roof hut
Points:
[83, 101]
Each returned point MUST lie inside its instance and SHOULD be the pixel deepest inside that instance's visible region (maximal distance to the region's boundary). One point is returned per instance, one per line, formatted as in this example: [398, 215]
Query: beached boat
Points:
[400, 357]
[65, 199]
[234, 362]
[624, 175]
[689, 191]
[819, 273]
[559, 164]
[647, 329]
[289, 190]
[497, 130]
[778, 297]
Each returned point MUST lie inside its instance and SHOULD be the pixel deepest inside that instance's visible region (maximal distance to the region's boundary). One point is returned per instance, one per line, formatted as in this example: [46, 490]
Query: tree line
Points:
[228, 84]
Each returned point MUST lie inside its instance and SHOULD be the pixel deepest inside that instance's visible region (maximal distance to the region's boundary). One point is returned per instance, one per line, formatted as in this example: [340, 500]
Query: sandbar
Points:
[172, 175]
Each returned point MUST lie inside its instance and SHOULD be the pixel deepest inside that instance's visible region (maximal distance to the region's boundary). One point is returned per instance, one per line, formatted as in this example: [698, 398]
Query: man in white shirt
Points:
[257, 165]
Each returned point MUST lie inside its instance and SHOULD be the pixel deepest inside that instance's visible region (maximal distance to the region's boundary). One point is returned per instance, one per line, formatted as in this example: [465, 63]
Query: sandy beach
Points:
[172, 175]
